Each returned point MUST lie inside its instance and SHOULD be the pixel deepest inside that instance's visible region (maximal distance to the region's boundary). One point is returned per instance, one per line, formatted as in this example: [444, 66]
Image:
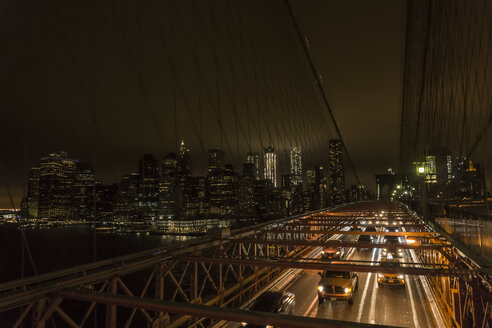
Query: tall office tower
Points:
[249, 170]
[309, 195]
[286, 181]
[246, 188]
[126, 201]
[254, 159]
[184, 159]
[321, 197]
[231, 184]
[194, 195]
[470, 180]
[336, 176]
[295, 166]
[215, 161]
[311, 178]
[168, 187]
[32, 197]
[84, 188]
[105, 195]
[270, 171]
[263, 190]
[149, 188]
[56, 178]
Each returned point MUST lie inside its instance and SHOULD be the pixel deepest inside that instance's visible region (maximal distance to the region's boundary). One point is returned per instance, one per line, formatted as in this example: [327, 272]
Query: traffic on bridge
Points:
[365, 263]
[225, 193]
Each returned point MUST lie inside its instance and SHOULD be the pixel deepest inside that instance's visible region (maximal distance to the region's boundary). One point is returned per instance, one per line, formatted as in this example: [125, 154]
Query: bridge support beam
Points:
[111, 309]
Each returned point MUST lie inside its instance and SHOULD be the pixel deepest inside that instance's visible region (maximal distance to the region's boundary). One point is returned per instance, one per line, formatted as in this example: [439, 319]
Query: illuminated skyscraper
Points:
[126, 201]
[149, 188]
[56, 179]
[33, 193]
[270, 170]
[216, 159]
[337, 176]
[83, 192]
[184, 161]
[254, 159]
[168, 186]
[295, 166]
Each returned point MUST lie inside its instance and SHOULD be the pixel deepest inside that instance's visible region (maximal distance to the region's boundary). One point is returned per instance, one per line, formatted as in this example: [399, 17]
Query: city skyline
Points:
[181, 161]
[164, 189]
[112, 123]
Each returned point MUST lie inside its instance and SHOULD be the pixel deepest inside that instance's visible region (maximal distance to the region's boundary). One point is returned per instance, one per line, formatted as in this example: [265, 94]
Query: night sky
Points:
[103, 79]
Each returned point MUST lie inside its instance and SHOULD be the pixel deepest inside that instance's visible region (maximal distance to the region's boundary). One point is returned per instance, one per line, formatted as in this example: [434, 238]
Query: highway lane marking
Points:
[428, 319]
[412, 303]
[372, 311]
[429, 296]
[364, 293]
[310, 307]
[419, 292]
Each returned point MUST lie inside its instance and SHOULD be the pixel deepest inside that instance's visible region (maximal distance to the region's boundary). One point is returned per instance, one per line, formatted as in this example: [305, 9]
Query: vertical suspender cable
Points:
[320, 86]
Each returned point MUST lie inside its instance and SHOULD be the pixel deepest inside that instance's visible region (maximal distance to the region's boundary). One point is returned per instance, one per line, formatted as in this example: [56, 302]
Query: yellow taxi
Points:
[395, 279]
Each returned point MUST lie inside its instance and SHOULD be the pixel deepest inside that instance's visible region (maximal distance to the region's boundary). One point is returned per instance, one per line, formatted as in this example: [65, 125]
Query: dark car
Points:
[393, 229]
[333, 252]
[372, 229]
[391, 240]
[392, 247]
[273, 302]
[366, 239]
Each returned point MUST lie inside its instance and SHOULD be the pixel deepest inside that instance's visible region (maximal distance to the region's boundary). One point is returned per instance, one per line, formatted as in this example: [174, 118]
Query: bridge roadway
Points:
[410, 306]
[406, 306]
[401, 306]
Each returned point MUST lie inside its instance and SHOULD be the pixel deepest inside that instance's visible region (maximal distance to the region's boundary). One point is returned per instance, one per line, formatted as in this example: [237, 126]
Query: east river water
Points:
[58, 248]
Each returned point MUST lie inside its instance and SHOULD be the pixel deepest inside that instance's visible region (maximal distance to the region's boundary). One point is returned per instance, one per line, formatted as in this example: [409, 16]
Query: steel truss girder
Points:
[340, 232]
[353, 219]
[318, 265]
[328, 243]
[327, 224]
[358, 215]
[207, 311]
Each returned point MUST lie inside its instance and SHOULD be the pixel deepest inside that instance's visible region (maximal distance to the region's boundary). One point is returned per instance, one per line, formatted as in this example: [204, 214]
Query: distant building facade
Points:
[56, 182]
[336, 175]
[270, 170]
[295, 166]
[254, 159]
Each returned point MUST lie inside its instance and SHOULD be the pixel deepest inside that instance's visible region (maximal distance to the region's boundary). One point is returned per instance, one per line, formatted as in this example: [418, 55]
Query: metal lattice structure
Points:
[205, 282]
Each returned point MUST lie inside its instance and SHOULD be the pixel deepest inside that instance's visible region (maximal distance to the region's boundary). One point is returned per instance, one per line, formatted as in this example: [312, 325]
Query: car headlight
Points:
[320, 288]
[268, 326]
[396, 230]
[244, 324]
[338, 252]
[348, 290]
[380, 275]
[400, 276]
